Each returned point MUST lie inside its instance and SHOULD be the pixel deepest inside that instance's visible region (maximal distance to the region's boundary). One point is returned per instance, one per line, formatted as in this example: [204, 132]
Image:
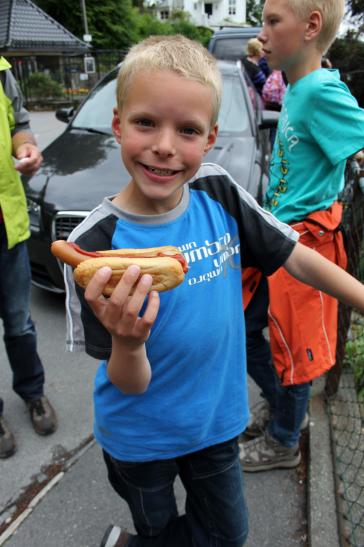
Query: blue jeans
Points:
[19, 331]
[288, 404]
[215, 511]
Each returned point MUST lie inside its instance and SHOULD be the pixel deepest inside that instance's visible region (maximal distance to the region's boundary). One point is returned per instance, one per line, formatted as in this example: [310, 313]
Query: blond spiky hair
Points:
[332, 12]
[176, 53]
[254, 47]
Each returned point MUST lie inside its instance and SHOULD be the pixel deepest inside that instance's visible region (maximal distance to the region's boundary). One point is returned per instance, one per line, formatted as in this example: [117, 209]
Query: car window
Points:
[96, 112]
[230, 48]
[233, 116]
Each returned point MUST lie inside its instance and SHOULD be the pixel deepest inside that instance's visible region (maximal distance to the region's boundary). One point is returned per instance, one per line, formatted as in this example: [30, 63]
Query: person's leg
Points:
[216, 513]
[20, 336]
[278, 424]
[259, 357]
[286, 424]
[19, 331]
[147, 487]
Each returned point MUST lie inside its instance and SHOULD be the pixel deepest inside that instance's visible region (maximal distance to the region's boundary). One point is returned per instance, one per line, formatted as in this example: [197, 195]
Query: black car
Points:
[230, 43]
[83, 164]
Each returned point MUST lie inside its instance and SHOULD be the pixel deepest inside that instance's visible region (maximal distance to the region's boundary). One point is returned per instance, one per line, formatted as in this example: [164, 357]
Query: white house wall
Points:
[196, 9]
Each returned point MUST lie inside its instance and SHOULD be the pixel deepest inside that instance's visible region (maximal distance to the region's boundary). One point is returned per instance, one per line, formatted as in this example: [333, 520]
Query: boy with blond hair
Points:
[320, 126]
[171, 393]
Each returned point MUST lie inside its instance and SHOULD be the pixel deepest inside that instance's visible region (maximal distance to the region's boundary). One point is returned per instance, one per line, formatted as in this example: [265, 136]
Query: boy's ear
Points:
[313, 25]
[211, 139]
[115, 125]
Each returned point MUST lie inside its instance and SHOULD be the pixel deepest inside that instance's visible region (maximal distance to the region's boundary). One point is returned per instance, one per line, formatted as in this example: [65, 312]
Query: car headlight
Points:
[34, 213]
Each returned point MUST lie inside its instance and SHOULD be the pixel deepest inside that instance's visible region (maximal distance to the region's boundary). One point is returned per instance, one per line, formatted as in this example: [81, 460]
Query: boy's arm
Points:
[313, 269]
[128, 366]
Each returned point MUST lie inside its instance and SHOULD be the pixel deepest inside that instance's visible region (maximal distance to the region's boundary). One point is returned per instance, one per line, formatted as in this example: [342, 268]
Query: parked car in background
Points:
[83, 164]
[229, 43]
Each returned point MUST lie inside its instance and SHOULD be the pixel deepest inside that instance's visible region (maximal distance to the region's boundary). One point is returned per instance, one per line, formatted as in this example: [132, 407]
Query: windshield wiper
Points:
[91, 130]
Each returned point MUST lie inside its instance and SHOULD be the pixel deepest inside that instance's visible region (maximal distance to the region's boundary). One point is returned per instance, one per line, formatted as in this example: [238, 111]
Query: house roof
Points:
[24, 27]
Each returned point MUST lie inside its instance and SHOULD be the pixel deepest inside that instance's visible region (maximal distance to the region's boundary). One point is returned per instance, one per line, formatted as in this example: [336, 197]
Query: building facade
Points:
[207, 13]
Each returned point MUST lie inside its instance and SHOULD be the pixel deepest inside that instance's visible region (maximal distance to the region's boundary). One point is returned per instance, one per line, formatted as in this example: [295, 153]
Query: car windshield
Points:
[96, 112]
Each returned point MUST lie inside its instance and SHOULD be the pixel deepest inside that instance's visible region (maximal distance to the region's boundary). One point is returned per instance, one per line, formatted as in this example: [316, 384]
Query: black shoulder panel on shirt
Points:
[99, 236]
[264, 241]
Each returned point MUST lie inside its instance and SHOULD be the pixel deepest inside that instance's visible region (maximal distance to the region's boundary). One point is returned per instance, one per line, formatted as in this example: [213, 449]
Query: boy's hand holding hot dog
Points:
[128, 363]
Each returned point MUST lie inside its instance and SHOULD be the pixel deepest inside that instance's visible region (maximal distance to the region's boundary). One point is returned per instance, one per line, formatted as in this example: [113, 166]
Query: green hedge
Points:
[41, 86]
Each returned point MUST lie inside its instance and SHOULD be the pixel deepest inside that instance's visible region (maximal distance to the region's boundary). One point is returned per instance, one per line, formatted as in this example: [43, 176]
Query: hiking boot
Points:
[115, 537]
[7, 441]
[260, 418]
[42, 415]
[265, 453]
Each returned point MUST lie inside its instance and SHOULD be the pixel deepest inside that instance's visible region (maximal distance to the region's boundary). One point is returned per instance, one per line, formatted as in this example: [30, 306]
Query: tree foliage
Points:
[117, 24]
[347, 54]
[355, 16]
[111, 24]
[254, 9]
[357, 8]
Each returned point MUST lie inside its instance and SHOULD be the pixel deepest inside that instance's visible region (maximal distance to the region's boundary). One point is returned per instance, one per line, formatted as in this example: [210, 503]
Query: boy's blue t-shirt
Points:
[320, 126]
[198, 392]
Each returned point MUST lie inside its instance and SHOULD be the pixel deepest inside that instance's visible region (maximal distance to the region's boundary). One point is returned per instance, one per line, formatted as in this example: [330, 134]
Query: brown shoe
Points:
[265, 453]
[115, 537]
[7, 441]
[42, 415]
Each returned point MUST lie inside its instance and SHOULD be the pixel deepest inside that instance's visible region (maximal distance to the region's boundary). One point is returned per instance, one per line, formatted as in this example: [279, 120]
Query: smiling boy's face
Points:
[164, 130]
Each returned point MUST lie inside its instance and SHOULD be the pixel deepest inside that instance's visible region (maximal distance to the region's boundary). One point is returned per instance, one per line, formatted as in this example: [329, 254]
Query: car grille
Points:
[65, 221]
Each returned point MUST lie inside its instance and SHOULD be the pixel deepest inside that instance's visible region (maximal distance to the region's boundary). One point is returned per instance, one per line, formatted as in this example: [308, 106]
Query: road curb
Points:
[322, 516]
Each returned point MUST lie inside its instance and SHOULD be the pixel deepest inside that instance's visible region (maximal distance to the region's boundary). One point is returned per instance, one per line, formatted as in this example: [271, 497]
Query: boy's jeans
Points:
[288, 404]
[19, 331]
[216, 514]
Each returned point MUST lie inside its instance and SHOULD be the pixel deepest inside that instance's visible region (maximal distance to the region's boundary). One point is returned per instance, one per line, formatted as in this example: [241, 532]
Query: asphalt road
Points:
[79, 504]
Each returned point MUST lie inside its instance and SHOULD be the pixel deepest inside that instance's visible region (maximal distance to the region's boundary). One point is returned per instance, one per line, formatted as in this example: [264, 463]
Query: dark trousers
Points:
[19, 331]
[215, 513]
[288, 403]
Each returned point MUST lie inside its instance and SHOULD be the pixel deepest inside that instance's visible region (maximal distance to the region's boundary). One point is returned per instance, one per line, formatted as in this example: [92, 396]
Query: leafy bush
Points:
[179, 23]
[355, 353]
[42, 86]
[347, 54]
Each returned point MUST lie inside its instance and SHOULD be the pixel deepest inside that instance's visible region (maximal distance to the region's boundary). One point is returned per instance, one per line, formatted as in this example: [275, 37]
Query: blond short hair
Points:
[332, 12]
[254, 47]
[178, 54]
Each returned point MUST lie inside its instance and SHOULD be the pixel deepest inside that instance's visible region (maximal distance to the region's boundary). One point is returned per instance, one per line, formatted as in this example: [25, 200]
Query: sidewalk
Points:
[79, 505]
[74, 508]
[77, 509]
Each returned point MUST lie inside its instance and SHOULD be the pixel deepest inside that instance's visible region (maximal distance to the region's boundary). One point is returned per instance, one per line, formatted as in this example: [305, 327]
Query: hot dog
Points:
[165, 264]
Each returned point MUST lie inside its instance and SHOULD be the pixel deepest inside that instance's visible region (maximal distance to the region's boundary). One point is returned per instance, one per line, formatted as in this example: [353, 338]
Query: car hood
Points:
[80, 168]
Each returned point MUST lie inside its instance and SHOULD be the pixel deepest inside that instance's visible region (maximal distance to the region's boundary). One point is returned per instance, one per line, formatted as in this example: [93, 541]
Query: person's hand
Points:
[30, 159]
[120, 312]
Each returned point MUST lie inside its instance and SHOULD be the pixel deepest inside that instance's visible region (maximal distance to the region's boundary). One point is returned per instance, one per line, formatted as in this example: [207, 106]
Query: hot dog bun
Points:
[166, 264]
[167, 272]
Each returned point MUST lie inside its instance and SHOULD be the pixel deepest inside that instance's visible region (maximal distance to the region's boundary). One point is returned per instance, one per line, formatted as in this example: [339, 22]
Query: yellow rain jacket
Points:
[13, 118]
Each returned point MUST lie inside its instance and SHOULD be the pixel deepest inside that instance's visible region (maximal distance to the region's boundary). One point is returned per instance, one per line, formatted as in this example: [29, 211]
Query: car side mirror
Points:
[64, 113]
[269, 119]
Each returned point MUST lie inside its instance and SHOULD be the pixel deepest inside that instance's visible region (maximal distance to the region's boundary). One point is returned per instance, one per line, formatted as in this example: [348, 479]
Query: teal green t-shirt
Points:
[320, 126]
